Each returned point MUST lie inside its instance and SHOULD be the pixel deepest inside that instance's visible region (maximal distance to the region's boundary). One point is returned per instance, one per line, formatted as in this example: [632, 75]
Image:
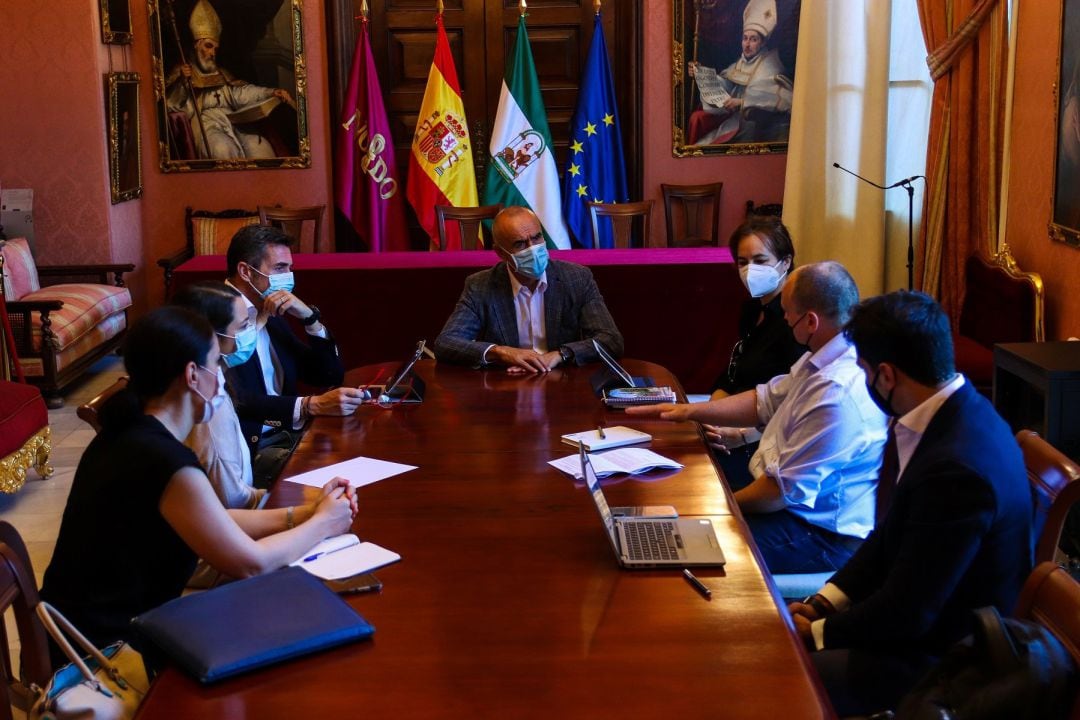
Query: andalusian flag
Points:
[595, 170]
[441, 165]
[522, 167]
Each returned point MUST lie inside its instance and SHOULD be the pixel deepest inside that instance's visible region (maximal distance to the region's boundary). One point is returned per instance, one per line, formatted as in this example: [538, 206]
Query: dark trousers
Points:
[789, 544]
[736, 466]
[275, 448]
[862, 682]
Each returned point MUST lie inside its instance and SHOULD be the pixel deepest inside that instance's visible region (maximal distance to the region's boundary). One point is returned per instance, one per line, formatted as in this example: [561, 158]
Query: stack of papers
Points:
[633, 461]
[612, 437]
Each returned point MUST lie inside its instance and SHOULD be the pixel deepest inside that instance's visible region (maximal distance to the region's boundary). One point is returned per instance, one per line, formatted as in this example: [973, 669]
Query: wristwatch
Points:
[312, 318]
[566, 353]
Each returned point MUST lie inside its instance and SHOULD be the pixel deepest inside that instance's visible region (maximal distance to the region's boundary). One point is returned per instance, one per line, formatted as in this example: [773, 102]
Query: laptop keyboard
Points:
[650, 540]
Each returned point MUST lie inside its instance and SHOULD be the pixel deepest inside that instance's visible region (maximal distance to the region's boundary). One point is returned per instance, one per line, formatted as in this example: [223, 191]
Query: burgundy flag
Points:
[366, 185]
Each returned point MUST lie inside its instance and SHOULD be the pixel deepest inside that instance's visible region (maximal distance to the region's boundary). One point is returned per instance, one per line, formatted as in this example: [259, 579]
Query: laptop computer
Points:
[614, 375]
[396, 390]
[642, 542]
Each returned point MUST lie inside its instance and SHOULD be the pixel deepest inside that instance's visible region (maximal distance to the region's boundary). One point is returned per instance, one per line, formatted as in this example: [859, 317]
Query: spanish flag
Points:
[441, 165]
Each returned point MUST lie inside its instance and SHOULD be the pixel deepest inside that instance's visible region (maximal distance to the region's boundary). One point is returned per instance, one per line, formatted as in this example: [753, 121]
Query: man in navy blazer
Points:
[271, 360]
[528, 313]
[956, 535]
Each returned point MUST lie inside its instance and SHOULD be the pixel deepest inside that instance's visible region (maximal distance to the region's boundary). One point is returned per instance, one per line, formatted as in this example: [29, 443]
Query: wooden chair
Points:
[206, 232]
[291, 222]
[695, 201]
[623, 217]
[90, 411]
[18, 591]
[470, 225]
[773, 209]
[1054, 490]
[1051, 597]
[1001, 304]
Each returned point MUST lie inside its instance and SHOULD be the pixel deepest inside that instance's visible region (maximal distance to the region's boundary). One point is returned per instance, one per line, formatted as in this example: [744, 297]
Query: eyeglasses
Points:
[733, 363]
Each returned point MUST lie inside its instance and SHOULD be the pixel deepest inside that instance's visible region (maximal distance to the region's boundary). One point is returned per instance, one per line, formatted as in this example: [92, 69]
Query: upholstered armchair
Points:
[1002, 304]
[25, 437]
[206, 233]
[63, 317]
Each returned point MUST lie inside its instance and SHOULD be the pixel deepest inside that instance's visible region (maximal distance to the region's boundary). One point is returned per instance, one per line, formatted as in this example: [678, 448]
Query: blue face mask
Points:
[532, 261]
[245, 347]
[279, 281]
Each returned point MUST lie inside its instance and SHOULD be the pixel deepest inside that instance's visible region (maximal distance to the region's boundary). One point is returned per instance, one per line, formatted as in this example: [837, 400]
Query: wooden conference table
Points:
[508, 601]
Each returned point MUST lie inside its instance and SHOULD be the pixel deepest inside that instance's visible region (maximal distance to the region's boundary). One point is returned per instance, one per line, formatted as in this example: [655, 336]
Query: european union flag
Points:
[595, 171]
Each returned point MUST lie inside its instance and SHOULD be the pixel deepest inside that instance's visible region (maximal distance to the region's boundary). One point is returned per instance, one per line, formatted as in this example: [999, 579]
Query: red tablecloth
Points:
[675, 306]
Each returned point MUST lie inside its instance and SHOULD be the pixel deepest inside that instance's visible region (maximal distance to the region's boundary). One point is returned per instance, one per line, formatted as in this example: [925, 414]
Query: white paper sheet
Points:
[344, 556]
[624, 460]
[359, 471]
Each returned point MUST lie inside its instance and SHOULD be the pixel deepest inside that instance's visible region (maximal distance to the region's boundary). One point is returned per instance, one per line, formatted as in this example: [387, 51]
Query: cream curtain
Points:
[842, 113]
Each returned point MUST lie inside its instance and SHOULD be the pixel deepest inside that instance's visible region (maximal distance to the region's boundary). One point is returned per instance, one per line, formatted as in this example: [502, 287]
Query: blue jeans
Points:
[789, 544]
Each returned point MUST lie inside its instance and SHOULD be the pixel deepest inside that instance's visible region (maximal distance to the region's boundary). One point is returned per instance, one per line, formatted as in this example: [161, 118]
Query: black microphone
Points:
[905, 181]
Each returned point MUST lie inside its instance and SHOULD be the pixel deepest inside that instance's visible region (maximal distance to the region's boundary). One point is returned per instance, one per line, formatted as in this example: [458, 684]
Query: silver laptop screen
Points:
[614, 366]
[593, 483]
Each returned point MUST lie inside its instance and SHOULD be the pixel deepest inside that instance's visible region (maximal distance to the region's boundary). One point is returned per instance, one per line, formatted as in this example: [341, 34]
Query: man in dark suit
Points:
[957, 533]
[264, 372]
[528, 313]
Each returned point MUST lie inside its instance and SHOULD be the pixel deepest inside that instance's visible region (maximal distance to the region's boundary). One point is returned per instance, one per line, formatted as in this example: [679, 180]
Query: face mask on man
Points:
[884, 403]
[245, 347]
[760, 280]
[279, 281]
[532, 261]
[212, 403]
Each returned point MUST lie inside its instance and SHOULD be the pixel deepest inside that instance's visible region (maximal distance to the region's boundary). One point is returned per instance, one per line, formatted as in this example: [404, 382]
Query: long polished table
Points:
[675, 306]
[508, 601]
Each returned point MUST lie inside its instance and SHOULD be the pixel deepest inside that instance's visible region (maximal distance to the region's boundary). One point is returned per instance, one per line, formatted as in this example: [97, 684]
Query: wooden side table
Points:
[1037, 386]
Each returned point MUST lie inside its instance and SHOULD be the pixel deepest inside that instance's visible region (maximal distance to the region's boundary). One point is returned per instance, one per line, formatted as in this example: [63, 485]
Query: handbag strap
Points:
[51, 618]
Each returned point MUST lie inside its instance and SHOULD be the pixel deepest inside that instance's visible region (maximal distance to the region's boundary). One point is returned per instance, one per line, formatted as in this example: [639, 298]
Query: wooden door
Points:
[481, 35]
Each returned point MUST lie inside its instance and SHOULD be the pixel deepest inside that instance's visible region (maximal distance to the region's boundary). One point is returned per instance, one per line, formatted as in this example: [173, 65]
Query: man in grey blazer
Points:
[527, 313]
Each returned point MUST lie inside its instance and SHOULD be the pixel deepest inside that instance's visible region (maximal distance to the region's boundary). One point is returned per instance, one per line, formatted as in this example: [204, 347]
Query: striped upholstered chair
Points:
[63, 317]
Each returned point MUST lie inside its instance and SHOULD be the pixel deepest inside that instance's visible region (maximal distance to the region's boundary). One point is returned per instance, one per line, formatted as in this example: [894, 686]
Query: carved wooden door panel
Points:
[481, 35]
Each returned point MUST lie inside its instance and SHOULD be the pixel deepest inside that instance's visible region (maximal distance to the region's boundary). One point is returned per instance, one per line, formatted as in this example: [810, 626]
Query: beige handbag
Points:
[110, 687]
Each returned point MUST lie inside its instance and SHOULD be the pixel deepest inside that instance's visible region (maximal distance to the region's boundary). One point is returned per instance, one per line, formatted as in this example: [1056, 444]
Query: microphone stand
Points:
[906, 184]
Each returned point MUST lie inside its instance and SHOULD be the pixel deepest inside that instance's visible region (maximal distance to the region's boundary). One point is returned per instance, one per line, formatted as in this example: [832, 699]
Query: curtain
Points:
[839, 114]
[967, 62]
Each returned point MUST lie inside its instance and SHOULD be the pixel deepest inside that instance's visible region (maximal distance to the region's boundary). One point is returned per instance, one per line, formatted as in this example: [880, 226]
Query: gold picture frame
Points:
[125, 140]
[749, 106]
[247, 75]
[1065, 207]
[115, 22]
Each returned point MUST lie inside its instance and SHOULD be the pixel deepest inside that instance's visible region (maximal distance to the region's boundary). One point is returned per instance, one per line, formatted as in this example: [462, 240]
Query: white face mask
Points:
[761, 280]
[214, 401]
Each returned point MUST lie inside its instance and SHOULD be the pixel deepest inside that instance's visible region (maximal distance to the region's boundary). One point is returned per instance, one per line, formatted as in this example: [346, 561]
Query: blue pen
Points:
[316, 556]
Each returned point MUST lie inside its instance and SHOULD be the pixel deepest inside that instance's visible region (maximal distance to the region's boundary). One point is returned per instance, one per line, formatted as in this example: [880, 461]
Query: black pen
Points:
[600, 432]
[698, 585]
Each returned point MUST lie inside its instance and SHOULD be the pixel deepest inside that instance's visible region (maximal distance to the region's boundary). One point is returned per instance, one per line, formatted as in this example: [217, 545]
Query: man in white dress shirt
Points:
[811, 502]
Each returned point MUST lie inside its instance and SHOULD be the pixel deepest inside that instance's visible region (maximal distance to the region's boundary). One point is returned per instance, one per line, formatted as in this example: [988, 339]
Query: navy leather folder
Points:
[248, 624]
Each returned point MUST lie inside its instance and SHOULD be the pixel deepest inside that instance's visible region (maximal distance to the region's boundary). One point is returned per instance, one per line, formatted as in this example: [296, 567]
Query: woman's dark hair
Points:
[907, 329]
[773, 232]
[156, 350]
[212, 299]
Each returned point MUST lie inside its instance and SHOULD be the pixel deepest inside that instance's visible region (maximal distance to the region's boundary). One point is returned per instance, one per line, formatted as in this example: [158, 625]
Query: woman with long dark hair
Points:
[141, 509]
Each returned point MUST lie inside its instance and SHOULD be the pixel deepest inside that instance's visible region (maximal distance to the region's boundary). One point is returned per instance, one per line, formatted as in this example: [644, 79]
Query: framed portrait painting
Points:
[229, 84]
[1065, 222]
[733, 70]
[125, 155]
[115, 22]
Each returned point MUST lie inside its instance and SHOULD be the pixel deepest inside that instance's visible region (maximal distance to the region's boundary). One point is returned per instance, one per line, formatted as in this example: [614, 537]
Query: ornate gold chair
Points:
[1001, 304]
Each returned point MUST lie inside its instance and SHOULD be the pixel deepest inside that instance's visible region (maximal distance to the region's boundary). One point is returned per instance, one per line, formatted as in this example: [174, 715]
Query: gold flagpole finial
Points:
[364, 9]
[439, 7]
[596, 6]
[522, 6]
